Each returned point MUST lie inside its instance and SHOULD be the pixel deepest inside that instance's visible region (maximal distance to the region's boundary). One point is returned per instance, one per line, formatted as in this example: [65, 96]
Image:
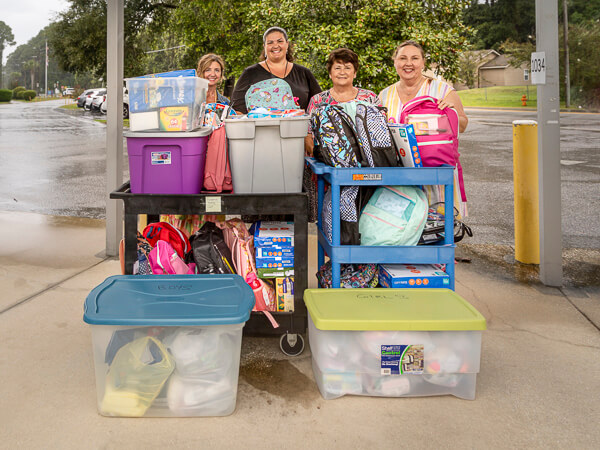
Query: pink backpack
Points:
[164, 260]
[217, 173]
[437, 134]
[241, 244]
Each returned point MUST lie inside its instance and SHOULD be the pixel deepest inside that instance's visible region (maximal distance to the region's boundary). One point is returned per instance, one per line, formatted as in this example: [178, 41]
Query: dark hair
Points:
[205, 63]
[344, 55]
[407, 43]
[290, 50]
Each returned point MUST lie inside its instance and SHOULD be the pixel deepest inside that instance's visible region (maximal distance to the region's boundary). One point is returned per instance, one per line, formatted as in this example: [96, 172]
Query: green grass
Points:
[499, 97]
[71, 106]
[125, 122]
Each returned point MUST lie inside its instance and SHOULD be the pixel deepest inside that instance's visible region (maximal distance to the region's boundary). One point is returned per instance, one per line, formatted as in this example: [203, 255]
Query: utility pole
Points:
[567, 74]
[545, 66]
[46, 72]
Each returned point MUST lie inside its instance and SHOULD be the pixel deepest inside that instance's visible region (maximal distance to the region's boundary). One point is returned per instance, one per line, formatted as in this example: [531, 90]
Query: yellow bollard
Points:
[525, 174]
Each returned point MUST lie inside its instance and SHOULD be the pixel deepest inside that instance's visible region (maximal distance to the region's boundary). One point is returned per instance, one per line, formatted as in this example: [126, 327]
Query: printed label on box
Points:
[274, 251]
[160, 158]
[284, 288]
[174, 118]
[276, 272]
[402, 359]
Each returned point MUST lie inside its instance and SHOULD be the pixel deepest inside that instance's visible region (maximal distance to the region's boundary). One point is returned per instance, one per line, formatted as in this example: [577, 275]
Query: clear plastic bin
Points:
[267, 155]
[165, 103]
[168, 346]
[393, 342]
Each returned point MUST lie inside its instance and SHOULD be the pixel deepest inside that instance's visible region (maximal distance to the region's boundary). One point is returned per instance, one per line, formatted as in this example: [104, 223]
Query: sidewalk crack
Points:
[50, 287]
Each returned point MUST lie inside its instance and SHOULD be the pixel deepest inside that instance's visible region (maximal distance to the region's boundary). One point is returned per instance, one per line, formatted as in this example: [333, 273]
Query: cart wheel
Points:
[291, 344]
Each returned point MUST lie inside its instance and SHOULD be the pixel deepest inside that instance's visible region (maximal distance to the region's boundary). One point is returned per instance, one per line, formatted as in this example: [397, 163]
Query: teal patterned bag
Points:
[272, 93]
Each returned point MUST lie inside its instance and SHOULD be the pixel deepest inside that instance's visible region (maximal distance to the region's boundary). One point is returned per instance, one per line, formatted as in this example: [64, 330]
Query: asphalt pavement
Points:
[539, 379]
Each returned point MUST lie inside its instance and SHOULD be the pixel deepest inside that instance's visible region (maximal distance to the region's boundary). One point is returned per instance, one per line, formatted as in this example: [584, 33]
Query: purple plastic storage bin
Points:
[167, 163]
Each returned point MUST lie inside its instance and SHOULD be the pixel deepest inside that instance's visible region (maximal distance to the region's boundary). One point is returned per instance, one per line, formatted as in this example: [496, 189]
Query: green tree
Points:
[222, 27]
[371, 29]
[6, 39]
[584, 63]
[467, 69]
[79, 35]
[35, 50]
[517, 52]
[499, 20]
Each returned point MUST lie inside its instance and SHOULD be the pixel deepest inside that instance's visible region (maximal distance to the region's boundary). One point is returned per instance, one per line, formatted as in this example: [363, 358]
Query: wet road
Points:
[55, 163]
[52, 162]
[487, 160]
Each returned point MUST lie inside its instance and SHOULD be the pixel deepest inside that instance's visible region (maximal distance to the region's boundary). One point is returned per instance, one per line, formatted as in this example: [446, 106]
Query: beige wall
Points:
[508, 76]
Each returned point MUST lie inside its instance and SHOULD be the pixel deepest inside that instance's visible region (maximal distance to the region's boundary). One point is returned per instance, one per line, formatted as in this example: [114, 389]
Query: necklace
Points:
[284, 71]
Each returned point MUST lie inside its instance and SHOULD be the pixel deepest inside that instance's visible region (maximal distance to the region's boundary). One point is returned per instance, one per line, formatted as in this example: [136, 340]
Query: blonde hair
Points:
[205, 62]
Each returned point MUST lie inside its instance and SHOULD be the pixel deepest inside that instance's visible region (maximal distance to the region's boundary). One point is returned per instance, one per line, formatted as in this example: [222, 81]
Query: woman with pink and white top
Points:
[342, 65]
[409, 61]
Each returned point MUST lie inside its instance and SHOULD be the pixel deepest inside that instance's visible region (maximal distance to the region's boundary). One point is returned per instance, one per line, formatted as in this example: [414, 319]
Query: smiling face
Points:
[409, 63]
[213, 73]
[276, 46]
[342, 74]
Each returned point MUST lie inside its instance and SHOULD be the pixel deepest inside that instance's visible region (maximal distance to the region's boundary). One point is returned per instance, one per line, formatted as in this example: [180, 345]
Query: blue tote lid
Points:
[169, 300]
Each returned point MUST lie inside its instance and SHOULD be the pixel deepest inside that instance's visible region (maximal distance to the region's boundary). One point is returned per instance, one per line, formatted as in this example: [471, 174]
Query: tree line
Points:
[162, 35]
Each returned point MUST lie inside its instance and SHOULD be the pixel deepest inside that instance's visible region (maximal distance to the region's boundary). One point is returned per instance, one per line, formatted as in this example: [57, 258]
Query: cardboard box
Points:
[413, 276]
[284, 291]
[406, 141]
[275, 272]
[262, 263]
[174, 118]
[274, 251]
[280, 234]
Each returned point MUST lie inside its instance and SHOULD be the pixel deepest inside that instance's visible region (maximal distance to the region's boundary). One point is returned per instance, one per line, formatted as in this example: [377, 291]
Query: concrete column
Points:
[114, 124]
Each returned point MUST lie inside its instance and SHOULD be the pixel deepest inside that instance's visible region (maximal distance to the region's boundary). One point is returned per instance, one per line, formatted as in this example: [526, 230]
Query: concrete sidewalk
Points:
[538, 387]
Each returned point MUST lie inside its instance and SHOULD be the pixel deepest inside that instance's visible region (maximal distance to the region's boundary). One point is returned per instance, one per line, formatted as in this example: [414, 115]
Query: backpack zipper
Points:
[420, 144]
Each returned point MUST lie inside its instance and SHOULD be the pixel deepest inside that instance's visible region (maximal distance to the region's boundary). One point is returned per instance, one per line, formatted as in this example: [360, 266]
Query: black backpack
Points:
[375, 137]
[209, 251]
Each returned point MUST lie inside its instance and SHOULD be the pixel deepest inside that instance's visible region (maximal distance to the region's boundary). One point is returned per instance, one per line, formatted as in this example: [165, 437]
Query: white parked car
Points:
[90, 97]
[125, 104]
[68, 91]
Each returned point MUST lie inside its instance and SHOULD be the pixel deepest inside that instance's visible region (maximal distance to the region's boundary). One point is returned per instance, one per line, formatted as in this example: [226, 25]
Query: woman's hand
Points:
[452, 100]
[445, 103]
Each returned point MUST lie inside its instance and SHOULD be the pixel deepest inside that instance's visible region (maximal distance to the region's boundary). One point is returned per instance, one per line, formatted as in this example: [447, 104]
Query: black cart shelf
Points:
[296, 204]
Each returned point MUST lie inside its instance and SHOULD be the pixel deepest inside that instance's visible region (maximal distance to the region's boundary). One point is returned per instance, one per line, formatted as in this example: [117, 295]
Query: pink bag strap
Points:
[220, 138]
[158, 261]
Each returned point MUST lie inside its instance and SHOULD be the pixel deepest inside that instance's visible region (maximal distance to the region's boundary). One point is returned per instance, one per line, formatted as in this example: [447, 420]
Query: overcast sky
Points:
[27, 17]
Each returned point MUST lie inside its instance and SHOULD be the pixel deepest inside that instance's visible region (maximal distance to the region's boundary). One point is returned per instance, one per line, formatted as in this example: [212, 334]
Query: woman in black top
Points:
[277, 62]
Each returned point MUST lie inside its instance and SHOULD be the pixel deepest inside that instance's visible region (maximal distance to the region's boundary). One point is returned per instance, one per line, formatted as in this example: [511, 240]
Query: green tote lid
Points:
[391, 309]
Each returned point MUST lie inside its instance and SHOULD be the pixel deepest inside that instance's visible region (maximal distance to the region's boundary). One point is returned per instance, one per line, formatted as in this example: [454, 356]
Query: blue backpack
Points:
[394, 215]
[334, 136]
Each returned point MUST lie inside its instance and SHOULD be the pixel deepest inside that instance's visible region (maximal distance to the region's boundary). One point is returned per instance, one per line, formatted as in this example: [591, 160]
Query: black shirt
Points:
[303, 83]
